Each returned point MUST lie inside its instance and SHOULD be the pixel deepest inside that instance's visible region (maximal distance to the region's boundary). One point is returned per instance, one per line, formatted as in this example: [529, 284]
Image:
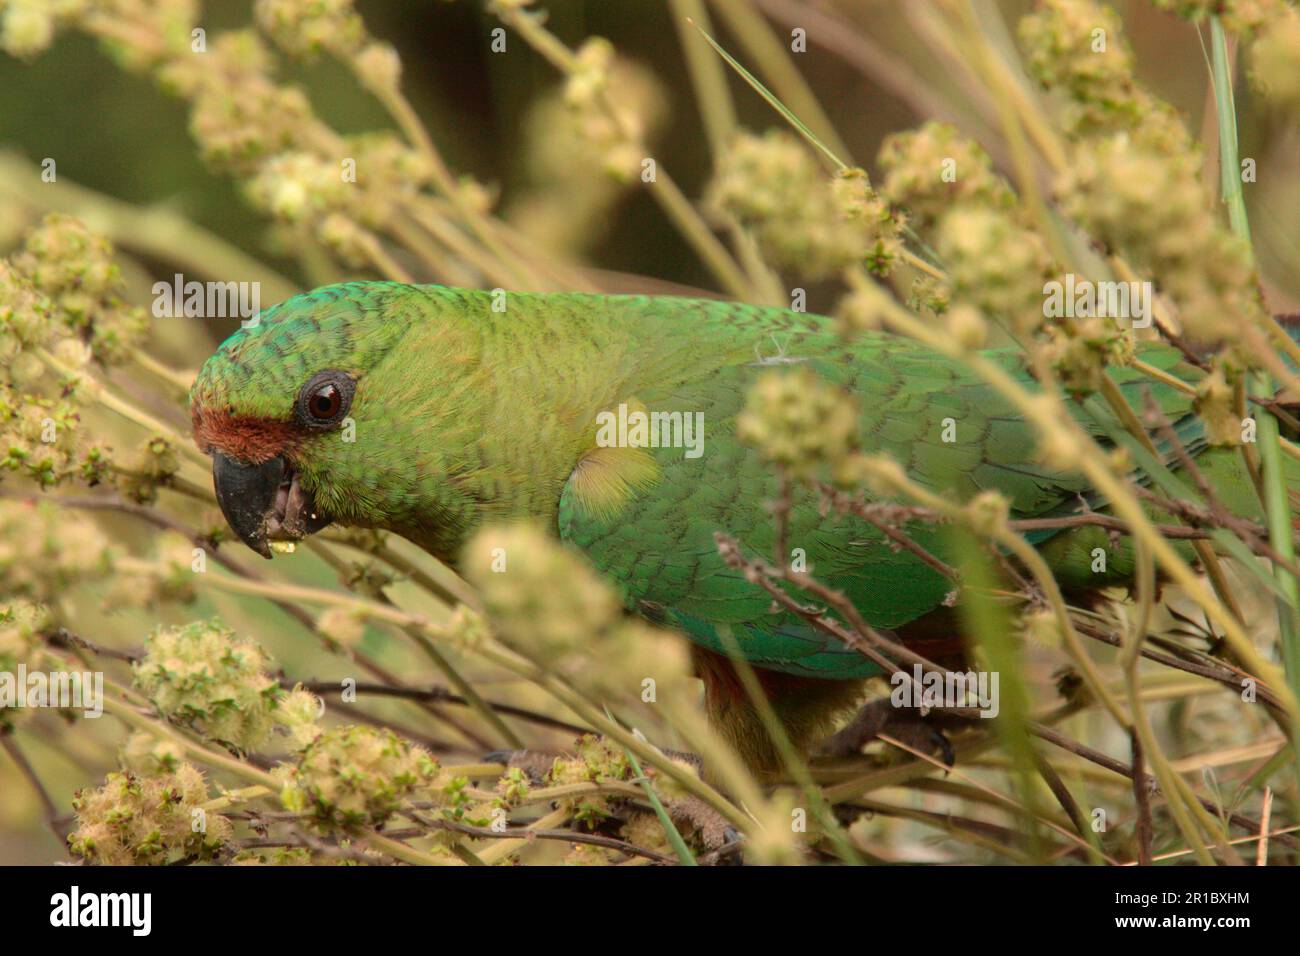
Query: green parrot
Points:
[428, 411]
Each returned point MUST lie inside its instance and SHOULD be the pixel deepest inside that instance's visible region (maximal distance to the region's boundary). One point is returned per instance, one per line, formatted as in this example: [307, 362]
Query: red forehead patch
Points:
[241, 437]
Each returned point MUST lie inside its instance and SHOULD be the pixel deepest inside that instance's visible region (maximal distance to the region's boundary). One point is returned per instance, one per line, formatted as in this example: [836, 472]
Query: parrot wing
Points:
[652, 535]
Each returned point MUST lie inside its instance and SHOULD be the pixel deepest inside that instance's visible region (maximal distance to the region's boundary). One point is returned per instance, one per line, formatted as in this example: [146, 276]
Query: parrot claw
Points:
[723, 842]
[941, 743]
[732, 851]
[907, 725]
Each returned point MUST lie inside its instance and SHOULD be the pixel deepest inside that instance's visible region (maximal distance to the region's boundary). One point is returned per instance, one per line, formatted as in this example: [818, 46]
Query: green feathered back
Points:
[659, 546]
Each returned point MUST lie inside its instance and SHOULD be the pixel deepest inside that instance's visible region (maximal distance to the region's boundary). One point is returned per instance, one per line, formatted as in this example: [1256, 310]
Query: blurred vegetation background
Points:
[114, 132]
[117, 133]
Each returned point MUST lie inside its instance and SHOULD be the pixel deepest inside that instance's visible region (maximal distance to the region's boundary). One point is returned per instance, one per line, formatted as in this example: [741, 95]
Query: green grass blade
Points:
[1276, 501]
[684, 855]
[772, 100]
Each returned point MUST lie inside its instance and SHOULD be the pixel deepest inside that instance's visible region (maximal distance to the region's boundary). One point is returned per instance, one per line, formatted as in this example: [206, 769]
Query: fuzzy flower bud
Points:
[21, 644]
[597, 760]
[513, 786]
[341, 626]
[355, 776]
[1173, 232]
[580, 157]
[604, 130]
[239, 115]
[929, 294]
[862, 310]
[857, 204]
[210, 680]
[799, 422]
[1077, 48]
[74, 269]
[772, 185]
[389, 173]
[298, 187]
[995, 263]
[1239, 16]
[24, 314]
[133, 820]
[1275, 63]
[38, 437]
[1081, 355]
[149, 755]
[548, 603]
[635, 658]
[467, 627]
[299, 713]
[170, 581]
[1214, 403]
[988, 512]
[1041, 628]
[345, 238]
[152, 467]
[929, 170]
[45, 550]
[378, 66]
[966, 326]
[305, 27]
[540, 597]
[26, 28]
[780, 831]
[590, 76]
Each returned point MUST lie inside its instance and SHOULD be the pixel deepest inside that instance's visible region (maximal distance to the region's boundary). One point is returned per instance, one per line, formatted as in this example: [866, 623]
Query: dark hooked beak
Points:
[264, 502]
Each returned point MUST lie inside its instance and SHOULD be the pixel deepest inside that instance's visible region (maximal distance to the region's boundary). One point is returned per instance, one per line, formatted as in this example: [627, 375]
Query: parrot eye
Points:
[325, 399]
[325, 402]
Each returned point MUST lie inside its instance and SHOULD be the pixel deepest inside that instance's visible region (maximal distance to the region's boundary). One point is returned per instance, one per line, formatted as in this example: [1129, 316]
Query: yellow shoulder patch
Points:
[606, 478]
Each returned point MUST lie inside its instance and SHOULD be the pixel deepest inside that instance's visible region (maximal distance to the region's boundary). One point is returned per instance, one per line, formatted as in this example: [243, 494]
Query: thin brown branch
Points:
[1142, 798]
[50, 811]
[527, 833]
[1124, 770]
[440, 695]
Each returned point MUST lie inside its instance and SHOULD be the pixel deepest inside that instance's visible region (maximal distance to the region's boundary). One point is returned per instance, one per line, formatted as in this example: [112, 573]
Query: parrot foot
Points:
[723, 844]
[537, 762]
[921, 731]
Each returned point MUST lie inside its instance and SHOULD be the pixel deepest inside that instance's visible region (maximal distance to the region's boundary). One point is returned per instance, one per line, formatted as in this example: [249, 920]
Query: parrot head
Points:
[279, 405]
[416, 409]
